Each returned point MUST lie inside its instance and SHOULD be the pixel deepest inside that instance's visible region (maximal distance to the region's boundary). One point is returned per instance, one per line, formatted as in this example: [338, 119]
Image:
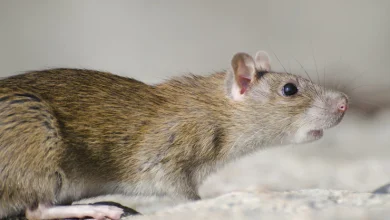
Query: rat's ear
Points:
[262, 61]
[244, 71]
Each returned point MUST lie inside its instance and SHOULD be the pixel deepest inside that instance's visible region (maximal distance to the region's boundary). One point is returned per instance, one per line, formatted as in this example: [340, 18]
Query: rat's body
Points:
[67, 134]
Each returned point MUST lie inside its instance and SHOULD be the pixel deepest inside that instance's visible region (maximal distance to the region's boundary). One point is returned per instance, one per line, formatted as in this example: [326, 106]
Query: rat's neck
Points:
[208, 123]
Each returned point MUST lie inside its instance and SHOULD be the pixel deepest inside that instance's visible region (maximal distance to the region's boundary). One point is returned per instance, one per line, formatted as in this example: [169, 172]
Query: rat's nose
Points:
[342, 104]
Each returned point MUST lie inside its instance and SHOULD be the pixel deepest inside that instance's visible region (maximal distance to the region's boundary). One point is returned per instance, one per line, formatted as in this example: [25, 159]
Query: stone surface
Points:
[302, 204]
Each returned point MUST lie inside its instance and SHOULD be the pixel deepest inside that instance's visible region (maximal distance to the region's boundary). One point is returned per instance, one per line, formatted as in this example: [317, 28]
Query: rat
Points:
[69, 134]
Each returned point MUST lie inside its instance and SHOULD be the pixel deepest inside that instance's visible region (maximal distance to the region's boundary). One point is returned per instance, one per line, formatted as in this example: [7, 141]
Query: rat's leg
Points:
[30, 151]
[98, 212]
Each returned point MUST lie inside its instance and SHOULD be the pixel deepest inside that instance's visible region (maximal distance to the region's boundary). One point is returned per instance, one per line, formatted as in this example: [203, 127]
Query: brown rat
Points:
[68, 134]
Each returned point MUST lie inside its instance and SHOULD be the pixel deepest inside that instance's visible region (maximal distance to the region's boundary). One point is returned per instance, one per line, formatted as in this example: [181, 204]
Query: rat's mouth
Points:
[306, 135]
[316, 133]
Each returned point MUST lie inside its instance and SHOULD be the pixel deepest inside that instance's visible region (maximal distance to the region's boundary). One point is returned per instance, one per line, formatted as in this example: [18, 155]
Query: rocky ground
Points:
[330, 179]
[302, 205]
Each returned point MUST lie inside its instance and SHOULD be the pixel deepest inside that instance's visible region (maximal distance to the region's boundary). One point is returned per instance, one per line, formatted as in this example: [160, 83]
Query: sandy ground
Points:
[330, 178]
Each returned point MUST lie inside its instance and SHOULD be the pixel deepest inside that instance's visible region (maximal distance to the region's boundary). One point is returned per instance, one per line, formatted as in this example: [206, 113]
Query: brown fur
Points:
[92, 128]
[68, 134]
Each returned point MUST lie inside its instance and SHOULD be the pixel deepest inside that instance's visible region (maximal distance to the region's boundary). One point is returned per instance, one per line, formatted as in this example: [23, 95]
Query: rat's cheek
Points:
[260, 96]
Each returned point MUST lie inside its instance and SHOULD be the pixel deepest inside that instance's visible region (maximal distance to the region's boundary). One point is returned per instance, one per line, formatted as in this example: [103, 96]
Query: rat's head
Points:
[280, 108]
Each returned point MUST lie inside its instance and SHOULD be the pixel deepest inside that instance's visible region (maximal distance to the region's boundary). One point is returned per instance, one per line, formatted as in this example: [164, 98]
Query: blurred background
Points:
[341, 44]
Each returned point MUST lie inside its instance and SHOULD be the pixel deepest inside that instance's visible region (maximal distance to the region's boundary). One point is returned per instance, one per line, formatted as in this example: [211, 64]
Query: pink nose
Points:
[342, 105]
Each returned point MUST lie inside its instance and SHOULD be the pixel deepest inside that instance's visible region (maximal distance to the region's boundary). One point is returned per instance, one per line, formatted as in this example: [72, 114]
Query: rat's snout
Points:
[342, 105]
[339, 104]
[325, 113]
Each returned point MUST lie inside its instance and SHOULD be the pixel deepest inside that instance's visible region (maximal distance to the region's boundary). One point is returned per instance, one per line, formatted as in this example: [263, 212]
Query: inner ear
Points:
[244, 82]
[244, 71]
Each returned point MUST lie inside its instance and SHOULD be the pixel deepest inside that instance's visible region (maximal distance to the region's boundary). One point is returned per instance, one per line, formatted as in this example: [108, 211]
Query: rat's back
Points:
[79, 85]
[83, 98]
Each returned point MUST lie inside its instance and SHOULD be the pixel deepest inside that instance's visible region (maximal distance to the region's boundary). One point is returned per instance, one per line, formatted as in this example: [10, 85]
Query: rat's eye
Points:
[290, 89]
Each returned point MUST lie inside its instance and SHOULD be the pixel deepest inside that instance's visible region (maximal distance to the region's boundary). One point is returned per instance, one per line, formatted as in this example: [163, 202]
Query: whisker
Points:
[319, 107]
[350, 82]
[358, 87]
[364, 111]
[379, 104]
[307, 74]
[324, 73]
[279, 61]
[315, 64]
